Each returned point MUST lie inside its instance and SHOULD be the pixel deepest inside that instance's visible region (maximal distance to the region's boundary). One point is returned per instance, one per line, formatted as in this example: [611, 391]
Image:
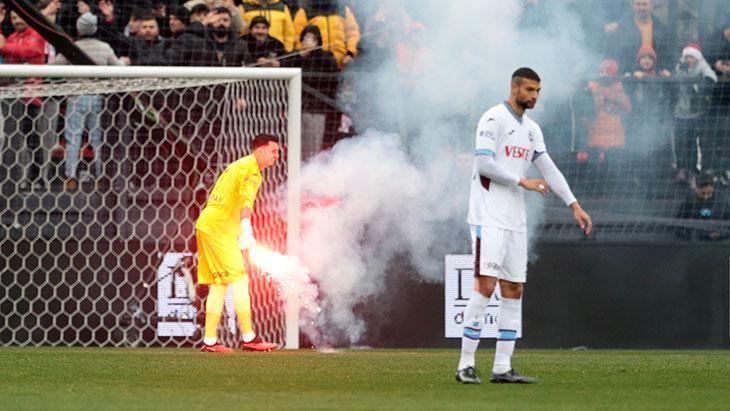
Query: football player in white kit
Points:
[507, 142]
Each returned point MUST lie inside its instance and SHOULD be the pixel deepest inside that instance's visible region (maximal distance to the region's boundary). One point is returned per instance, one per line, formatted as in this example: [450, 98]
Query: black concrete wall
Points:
[598, 296]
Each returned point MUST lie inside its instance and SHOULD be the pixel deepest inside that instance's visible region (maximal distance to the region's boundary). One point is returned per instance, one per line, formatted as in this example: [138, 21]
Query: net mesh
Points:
[640, 164]
[111, 260]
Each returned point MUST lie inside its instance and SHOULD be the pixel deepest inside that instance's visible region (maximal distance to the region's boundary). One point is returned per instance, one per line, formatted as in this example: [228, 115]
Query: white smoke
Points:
[398, 193]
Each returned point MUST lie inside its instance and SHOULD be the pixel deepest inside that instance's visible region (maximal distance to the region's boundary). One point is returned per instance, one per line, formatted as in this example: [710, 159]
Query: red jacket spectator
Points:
[24, 47]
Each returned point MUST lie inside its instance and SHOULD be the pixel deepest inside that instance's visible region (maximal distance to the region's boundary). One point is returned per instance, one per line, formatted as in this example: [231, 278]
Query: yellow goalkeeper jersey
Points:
[235, 190]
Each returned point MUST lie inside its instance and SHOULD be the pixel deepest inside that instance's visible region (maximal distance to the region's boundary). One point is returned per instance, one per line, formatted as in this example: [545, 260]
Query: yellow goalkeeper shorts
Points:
[220, 259]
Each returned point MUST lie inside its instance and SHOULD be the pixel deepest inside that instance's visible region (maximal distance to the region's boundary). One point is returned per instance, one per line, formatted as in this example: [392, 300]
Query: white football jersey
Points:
[513, 141]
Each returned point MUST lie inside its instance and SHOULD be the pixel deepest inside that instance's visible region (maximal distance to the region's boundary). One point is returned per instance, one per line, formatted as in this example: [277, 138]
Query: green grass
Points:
[124, 379]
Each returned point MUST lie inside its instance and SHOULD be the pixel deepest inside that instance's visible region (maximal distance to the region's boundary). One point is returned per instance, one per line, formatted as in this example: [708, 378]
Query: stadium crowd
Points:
[661, 93]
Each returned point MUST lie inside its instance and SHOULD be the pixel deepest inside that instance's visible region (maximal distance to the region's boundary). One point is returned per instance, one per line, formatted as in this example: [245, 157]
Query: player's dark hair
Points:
[147, 17]
[526, 72]
[263, 140]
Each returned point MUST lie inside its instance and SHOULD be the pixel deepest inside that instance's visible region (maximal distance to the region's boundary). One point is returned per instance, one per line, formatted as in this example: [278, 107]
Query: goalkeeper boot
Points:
[512, 377]
[216, 348]
[257, 344]
[468, 375]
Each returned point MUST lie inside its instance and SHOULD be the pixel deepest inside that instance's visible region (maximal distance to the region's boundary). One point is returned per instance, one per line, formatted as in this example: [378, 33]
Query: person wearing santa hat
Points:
[696, 80]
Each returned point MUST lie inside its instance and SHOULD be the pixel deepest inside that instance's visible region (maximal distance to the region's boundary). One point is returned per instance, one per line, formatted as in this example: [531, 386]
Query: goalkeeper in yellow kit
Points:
[222, 231]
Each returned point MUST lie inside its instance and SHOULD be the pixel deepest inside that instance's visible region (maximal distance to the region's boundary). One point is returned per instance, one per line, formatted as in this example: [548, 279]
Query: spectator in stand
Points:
[230, 49]
[695, 86]
[109, 19]
[191, 45]
[391, 17]
[148, 49]
[159, 10]
[649, 97]
[637, 29]
[704, 203]
[604, 146]
[722, 53]
[645, 64]
[50, 106]
[414, 56]
[648, 125]
[178, 20]
[337, 25]
[721, 100]
[123, 40]
[281, 26]
[237, 23]
[198, 13]
[263, 48]
[85, 111]
[135, 19]
[49, 9]
[317, 119]
[24, 120]
[606, 130]
[415, 60]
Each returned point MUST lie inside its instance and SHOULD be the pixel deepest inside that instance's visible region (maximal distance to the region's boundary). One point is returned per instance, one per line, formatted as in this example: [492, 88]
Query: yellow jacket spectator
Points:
[277, 13]
[340, 32]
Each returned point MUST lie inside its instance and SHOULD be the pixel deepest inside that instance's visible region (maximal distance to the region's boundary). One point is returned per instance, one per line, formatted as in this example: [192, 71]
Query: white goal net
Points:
[103, 173]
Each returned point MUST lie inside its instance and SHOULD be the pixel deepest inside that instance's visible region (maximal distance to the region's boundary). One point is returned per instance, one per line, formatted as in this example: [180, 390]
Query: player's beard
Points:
[221, 32]
[525, 104]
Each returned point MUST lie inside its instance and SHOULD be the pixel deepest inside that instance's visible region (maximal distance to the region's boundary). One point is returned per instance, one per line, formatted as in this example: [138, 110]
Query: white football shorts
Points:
[502, 253]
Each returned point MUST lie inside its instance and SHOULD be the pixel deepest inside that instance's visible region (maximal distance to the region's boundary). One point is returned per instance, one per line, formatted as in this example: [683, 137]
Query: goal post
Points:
[88, 266]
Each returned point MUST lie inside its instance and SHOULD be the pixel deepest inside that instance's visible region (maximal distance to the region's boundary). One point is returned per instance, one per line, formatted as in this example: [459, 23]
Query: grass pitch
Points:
[126, 379]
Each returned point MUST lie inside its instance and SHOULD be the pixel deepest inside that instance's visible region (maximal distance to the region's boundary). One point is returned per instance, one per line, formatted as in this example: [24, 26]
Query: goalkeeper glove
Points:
[246, 240]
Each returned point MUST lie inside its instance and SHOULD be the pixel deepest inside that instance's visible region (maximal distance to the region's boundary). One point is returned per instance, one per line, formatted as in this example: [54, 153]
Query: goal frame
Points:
[293, 78]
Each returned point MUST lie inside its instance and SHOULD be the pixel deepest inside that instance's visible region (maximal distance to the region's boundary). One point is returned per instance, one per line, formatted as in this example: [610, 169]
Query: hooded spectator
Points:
[179, 19]
[645, 63]
[336, 22]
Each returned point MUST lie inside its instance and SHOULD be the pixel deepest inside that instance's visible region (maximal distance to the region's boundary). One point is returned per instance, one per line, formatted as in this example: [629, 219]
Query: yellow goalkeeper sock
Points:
[242, 304]
[213, 310]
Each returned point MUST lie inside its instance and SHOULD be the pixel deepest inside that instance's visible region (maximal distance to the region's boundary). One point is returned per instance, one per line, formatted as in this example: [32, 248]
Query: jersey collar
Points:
[512, 111]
